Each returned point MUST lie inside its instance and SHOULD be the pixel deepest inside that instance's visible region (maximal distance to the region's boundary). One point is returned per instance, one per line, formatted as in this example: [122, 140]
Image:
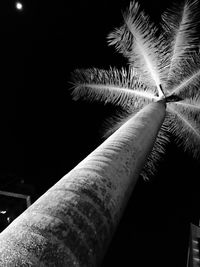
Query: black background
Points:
[44, 134]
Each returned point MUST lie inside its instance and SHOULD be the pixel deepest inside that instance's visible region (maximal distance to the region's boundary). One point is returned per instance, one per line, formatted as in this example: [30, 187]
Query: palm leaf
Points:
[122, 87]
[186, 78]
[180, 25]
[137, 39]
[191, 105]
[184, 124]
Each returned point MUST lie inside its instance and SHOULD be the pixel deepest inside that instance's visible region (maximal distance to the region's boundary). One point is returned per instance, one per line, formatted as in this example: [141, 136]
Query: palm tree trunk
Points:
[73, 222]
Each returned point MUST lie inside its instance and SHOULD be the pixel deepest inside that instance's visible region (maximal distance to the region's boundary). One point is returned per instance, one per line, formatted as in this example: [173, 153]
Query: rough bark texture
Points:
[73, 222]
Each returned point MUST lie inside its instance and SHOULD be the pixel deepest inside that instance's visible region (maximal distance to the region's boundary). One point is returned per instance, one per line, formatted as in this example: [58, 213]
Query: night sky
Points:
[44, 134]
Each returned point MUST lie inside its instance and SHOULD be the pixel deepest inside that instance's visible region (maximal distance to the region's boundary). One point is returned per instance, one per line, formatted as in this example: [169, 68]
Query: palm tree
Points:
[161, 66]
[73, 222]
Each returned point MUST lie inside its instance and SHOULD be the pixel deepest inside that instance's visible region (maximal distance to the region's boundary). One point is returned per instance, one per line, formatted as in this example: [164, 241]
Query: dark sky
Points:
[44, 134]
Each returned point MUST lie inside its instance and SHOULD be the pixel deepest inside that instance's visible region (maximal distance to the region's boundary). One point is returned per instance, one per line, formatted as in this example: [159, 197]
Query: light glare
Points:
[3, 211]
[19, 6]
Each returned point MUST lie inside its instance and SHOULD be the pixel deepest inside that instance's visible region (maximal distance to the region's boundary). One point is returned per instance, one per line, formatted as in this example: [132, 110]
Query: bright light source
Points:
[3, 211]
[19, 6]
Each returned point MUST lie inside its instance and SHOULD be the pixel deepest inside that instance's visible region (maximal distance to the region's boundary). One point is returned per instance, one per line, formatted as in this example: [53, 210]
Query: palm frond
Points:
[185, 126]
[137, 39]
[180, 25]
[186, 80]
[190, 105]
[122, 87]
[122, 39]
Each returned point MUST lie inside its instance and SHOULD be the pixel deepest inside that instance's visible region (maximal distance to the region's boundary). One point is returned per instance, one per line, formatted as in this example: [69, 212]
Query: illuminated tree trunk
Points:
[73, 222]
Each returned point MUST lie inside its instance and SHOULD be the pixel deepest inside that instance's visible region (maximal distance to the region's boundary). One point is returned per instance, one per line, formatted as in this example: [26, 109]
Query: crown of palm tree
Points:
[162, 65]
